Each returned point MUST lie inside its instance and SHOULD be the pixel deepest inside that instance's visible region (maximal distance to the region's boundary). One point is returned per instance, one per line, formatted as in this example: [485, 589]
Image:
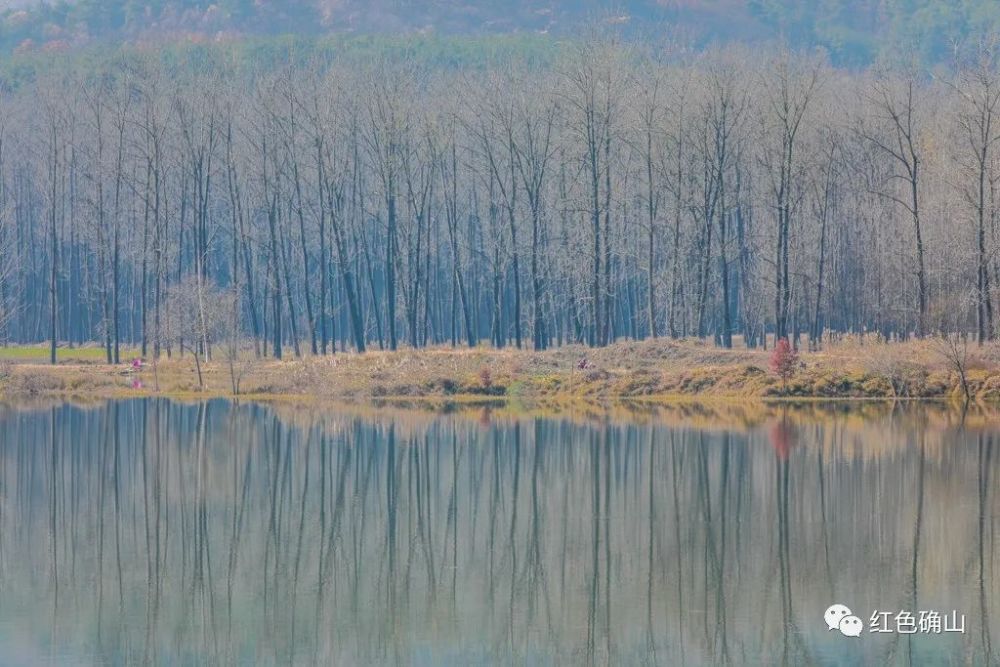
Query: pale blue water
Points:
[148, 531]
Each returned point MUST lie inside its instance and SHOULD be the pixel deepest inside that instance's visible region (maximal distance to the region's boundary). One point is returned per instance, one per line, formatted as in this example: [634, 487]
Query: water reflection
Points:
[150, 531]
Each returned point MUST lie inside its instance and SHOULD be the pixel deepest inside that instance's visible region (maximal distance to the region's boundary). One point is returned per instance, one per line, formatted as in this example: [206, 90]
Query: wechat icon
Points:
[839, 617]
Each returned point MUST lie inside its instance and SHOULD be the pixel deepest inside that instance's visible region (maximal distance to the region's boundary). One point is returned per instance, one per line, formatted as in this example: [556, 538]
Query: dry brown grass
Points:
[650, 370]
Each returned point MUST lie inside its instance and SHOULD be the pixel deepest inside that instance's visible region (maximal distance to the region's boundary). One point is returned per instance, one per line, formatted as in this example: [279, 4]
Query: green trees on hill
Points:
[853, 32]
[860, 31]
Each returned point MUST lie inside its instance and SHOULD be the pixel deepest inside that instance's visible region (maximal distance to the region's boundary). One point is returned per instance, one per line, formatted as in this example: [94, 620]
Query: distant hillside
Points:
[853, 31]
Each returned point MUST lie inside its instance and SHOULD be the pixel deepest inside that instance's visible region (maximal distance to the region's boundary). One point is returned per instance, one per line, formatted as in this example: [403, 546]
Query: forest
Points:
[618, 190]
[852, 32]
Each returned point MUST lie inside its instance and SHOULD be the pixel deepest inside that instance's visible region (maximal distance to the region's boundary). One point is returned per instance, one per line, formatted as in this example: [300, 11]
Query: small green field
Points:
[40, 354]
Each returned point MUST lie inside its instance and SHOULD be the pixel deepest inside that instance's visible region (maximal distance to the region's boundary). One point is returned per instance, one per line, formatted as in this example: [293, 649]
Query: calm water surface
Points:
[148, 531]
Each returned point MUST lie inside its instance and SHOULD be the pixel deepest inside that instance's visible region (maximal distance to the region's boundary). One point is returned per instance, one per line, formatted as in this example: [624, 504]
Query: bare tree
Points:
[790, 87]
[954, 350]
[895, 102]
[200, 312]
[978, 90]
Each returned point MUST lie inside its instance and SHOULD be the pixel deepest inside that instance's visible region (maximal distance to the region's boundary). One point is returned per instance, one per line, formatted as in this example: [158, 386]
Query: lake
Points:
[150, 531]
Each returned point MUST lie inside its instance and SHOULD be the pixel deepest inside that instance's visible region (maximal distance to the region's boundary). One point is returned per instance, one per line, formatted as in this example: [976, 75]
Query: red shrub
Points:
[486, 377]
[783, 360]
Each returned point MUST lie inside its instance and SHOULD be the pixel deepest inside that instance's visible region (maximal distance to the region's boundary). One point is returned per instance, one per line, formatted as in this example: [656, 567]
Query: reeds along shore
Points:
[858, 367]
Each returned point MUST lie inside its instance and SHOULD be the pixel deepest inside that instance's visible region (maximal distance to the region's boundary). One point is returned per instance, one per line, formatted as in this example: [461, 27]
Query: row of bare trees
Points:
[615, 192]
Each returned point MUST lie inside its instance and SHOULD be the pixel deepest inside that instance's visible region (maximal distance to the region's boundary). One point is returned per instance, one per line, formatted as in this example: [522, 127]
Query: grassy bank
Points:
[39, 354]
[653, 370]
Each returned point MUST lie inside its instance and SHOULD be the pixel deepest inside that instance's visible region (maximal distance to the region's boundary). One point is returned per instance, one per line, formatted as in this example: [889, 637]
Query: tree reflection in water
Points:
[151, 531]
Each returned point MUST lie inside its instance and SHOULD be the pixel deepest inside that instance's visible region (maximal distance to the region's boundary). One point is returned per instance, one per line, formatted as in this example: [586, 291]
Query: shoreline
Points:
[657, 371]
